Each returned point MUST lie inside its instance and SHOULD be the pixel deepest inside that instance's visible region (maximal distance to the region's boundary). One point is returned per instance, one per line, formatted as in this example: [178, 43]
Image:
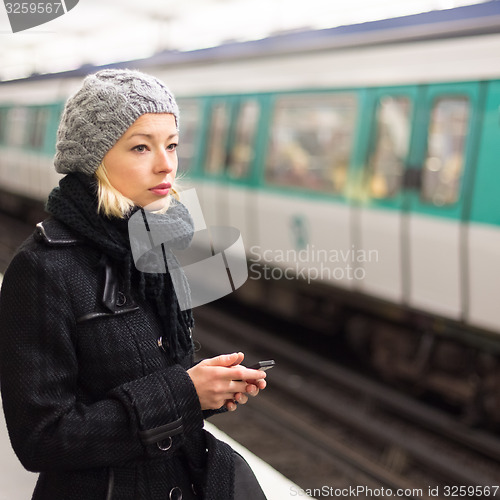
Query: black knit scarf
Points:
[74, 203]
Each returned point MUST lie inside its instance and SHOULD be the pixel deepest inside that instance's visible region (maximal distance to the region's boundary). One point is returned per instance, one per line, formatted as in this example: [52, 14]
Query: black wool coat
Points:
[90, 399]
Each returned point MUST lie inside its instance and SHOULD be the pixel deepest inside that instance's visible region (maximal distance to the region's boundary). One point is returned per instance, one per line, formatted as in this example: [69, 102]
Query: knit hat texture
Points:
[98, 114]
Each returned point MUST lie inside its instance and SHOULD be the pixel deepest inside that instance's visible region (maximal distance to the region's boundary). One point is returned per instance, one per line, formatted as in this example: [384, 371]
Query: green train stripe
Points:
[477, 201]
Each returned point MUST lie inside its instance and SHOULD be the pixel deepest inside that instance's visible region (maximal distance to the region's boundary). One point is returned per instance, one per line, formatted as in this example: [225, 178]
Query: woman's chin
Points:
[158, 204]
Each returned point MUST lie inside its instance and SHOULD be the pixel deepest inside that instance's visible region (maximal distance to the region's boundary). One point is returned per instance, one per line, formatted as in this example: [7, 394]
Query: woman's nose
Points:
[165, 161]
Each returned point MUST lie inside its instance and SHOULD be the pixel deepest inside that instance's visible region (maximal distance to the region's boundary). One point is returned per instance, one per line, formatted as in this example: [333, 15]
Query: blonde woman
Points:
[98, 384]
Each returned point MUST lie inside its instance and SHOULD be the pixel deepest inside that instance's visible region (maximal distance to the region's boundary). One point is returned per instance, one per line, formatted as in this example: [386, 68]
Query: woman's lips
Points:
[161, 189]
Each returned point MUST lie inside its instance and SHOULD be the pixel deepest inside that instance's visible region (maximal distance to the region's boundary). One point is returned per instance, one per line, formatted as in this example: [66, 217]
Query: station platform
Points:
[17, 484]
[275, 485]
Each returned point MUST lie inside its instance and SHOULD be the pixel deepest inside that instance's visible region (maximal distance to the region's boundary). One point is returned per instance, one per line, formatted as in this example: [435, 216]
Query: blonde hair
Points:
[112, 203]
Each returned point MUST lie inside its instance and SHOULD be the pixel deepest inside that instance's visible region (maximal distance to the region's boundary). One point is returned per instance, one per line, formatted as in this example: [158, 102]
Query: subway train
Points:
[360, 163]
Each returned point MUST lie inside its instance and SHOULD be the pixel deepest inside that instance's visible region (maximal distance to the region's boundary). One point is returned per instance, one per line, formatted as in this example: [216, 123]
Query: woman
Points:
[98, 384]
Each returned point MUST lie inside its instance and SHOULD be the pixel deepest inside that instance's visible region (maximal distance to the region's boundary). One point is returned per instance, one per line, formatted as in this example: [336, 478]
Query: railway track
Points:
[380, 436]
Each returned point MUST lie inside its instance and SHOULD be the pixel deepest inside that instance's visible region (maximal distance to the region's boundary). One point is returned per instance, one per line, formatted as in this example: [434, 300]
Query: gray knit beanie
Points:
[94, 118]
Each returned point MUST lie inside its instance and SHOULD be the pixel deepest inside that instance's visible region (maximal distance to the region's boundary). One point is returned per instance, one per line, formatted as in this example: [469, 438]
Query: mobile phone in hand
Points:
[263, 365]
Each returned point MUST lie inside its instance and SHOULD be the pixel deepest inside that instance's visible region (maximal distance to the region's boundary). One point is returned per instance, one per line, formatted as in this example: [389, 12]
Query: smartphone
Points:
[263, 365]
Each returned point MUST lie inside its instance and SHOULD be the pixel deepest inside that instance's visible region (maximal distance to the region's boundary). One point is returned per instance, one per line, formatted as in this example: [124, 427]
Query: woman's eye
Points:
[172, 147]
[140, 149]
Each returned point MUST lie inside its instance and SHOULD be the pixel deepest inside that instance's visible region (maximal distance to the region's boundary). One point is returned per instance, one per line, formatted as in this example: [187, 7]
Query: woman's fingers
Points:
[222, 380]
[261, 384]
[224, 360]
[238, 399]
[252, 389]
[231, 405]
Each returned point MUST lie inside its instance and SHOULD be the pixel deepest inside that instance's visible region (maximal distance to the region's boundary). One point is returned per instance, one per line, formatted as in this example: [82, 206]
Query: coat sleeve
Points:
[49, 426]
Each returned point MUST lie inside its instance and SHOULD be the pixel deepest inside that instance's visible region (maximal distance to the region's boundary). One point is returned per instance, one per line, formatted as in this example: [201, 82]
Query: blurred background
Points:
[355, 145]
[119, 30]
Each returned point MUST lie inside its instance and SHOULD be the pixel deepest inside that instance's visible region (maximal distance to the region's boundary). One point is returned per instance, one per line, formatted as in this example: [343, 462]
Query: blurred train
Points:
[362, 166]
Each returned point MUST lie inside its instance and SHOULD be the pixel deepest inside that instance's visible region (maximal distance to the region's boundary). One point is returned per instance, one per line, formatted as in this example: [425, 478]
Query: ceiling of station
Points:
[100, 32]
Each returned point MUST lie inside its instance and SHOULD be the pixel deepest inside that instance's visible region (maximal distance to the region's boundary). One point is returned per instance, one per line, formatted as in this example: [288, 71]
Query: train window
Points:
[3, 125]
[311, 142]
[217, 139]
[37, 127]
[446, 140]
[390, 147]
[243, 149]
[18, 119]
[189, 112]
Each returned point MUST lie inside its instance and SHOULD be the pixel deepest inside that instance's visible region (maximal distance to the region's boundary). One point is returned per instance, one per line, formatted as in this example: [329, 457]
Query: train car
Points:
[360, 164]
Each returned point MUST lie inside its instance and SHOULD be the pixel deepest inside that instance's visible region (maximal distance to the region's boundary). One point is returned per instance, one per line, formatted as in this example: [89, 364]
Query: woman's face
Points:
[143, 163]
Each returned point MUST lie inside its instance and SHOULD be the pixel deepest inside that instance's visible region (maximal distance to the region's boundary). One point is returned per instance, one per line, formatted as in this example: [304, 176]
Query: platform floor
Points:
[17, 484]
[275, 485]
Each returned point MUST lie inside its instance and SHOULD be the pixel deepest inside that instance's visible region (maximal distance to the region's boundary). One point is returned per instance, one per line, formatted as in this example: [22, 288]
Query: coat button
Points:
[165, 445]
[163, 344]
[175, 493]
[121, 300]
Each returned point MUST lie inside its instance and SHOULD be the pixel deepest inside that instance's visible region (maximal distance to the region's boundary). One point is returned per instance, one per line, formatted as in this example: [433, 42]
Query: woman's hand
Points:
[253, 387]
[222, 380]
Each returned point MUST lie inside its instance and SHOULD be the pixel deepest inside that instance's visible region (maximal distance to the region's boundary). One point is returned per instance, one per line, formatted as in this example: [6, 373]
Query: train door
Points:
[391, 120]
[437, 183]
[190, 144]
[241, 166]
[303, 211]
[217, 116]
[228, 164]
[190, 134]
[483, 236]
